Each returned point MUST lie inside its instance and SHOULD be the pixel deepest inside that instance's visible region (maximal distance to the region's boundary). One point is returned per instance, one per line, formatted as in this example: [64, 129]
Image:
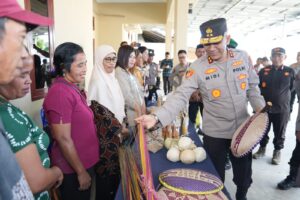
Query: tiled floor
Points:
[266, 176]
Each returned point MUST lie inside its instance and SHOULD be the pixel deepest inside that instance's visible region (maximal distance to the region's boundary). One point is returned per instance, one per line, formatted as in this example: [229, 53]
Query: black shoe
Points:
[241, 193]
[287, 183]
[200, 132]
[227, 164]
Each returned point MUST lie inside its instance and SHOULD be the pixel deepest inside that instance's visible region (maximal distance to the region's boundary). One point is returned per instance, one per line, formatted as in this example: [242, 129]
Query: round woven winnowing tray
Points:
[249, 134]
[167, 194]
[190, 181]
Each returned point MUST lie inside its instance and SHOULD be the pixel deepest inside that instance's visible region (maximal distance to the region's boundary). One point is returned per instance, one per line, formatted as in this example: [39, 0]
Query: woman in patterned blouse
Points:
[27, 141]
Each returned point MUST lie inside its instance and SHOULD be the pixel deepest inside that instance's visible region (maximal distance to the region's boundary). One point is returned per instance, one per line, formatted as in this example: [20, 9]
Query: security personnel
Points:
[151, 80]
[276, 83]
[290, 180]
[227, 81]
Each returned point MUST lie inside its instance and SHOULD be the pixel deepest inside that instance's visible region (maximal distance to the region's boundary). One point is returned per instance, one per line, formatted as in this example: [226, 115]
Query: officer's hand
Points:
[148, 120]
[298, 135]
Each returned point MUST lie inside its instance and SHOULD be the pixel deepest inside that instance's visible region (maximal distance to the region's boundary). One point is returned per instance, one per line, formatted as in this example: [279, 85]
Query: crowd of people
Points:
[87, 128]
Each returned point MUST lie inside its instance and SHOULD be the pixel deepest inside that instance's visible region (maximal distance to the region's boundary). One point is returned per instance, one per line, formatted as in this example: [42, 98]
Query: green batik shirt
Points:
[21, 131]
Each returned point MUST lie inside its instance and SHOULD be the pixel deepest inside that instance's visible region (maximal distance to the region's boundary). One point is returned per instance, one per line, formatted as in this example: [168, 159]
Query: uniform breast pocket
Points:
[217, 91]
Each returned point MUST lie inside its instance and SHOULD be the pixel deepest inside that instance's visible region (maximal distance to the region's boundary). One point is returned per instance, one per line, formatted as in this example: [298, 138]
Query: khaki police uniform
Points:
[226, 89]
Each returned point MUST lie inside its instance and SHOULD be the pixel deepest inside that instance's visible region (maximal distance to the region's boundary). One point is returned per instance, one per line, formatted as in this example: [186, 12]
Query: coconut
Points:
[187, 156]
[200, 154]
[173, 154]
[184, 143]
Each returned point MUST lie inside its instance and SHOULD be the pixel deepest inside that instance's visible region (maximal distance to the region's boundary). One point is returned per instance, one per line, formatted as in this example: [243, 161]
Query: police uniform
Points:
[276, 86]
[151, 80]
[290, 180]
[226, 89]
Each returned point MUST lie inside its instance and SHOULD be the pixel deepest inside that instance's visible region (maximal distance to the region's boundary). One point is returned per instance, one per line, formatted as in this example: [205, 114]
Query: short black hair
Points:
[142, 49]
[265, 59]
[123, 56]
[2, 27]
[199, 46]
[181, 51]
[64, 56]
[123, 43]
[167, 53]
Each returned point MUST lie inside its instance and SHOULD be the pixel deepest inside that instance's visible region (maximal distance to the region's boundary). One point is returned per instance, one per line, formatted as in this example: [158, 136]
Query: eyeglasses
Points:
[110, 60]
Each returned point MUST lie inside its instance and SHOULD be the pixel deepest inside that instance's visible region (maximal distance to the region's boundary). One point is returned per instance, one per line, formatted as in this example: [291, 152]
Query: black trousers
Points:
[106, 187]
[167, 85]
[279, 122]
[69, 187]
[193, 110]
[217, 149]
[295, 159]
[152, 90]
[293, 97]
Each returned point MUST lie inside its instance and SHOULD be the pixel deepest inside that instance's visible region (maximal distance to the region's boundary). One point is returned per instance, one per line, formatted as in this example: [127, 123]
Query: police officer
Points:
[276, 83]
[290, 180]
[151, 80]
[227, 81]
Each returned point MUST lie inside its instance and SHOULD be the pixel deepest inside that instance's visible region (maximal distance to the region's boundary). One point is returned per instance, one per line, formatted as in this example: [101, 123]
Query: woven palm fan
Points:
[190, 181]
[167, 194]
[250, 133]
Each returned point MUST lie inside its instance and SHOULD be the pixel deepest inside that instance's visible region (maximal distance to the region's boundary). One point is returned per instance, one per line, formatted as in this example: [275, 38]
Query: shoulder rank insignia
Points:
[230, 53]
[189, 73]
[210, 60]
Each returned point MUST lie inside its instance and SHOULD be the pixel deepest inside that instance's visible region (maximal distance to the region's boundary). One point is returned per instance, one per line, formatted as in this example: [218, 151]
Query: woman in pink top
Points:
[75, 146]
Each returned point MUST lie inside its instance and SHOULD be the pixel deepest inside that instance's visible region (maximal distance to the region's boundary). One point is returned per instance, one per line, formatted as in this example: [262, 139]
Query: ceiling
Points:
[246, 16]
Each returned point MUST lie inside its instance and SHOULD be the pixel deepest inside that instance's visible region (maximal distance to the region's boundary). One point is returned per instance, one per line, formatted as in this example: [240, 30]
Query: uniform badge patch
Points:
[237, 63]
[210, 71]
[242, 76]
[243, 85]
[286, 73]
[263, 84]
[216, 93]
[189, 73]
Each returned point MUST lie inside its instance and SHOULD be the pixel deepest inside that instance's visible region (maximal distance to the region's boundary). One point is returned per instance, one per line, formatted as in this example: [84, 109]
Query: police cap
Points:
[213, 31]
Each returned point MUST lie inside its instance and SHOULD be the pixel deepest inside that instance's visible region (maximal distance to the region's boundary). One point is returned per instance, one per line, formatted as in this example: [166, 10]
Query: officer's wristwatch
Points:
[157, 123]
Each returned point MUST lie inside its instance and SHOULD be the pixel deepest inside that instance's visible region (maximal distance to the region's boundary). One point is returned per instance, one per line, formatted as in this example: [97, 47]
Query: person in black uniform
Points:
[276, 83]
[290, 180]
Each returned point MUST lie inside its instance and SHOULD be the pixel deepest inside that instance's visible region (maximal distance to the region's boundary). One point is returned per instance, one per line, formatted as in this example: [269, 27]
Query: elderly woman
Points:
[75, 148]
[27, 141]
[131, 89]
[108, 105]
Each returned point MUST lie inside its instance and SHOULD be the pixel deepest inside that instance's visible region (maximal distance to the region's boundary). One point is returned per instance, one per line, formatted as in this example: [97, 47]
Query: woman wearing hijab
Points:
[108, 105]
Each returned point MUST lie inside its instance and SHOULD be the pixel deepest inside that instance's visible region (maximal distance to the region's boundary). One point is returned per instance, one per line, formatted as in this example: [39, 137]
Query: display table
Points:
[159, 163]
